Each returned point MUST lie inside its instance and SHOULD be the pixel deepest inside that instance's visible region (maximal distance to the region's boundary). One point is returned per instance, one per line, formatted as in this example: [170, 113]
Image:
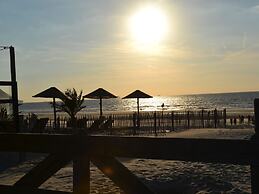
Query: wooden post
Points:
[172, 114]
[14, 89]
[188, 119]
[215, 118]
[202, 118]
[81, 175]
[155, 123]
[256, 110]
[255, 164]
[101, 108]
[225, 117]
[134, 123]
[81, 171]
[55, 113]
[208, 119]
[162, 120]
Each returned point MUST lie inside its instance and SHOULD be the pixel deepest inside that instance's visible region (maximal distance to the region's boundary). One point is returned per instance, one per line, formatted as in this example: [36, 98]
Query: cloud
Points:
[255, 9]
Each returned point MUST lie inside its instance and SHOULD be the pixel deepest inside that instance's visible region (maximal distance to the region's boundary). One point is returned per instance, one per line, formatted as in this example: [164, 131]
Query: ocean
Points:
[236, 102]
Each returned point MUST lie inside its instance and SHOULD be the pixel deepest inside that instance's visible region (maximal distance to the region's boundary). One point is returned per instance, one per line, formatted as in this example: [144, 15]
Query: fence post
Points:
[202, 117]
[188, 119]
[81, 174]
[215, 118]
[172, 114]
[225, 117]
[208, 119]
[255, 164]
[155, 123]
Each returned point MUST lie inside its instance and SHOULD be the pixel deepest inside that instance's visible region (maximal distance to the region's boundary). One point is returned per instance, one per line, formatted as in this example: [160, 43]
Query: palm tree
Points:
[72, 104]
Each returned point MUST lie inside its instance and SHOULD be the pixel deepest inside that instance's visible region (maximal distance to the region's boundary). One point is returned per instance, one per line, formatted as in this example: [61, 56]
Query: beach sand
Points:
[161, 175]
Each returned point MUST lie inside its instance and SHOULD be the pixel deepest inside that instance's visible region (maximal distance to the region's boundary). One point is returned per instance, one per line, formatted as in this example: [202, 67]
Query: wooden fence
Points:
[157, 122]
[103, 150]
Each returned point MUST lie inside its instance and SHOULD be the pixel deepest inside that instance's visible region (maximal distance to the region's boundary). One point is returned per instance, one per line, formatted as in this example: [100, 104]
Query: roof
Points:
[51, 92]
[4, 95]
[138, 94]
[100, 93]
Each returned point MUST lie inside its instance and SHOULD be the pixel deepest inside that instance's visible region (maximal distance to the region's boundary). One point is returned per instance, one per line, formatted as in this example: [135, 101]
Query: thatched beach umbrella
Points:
[137, 94]
[53, 93]
[100, 94]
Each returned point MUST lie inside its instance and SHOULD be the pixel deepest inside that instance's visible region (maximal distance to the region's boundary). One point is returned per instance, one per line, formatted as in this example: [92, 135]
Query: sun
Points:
[148, 26]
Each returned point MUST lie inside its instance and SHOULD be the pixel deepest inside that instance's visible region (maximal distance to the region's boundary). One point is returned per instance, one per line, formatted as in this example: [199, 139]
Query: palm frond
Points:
[72, 104]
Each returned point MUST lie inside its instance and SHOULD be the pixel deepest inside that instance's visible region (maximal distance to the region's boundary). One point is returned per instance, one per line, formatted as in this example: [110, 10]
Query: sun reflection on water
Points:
[234, 101]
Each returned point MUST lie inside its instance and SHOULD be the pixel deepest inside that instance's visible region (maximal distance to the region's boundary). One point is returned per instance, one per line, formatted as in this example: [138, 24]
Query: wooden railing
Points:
[103, 150]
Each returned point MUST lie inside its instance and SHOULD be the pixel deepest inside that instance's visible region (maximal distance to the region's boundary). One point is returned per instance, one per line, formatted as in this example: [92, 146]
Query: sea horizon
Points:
[233, 101]
[173, 95]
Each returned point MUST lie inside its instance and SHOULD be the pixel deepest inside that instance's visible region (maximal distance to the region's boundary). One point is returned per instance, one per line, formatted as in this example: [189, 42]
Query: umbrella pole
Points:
[138, 120]
[55, 116]
[138, 105]
[101, 112]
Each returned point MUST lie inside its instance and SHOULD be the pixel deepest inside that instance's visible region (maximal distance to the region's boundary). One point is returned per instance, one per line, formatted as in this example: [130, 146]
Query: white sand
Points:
[162, 175]
[214, 133]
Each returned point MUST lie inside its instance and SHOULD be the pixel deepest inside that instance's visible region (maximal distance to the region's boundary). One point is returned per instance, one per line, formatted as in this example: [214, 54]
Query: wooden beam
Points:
[120, 175]
[6, 83]
[43, 171]
[255, 163]
[37, 143]
[201, 150]
[5, 101]
[14, 190]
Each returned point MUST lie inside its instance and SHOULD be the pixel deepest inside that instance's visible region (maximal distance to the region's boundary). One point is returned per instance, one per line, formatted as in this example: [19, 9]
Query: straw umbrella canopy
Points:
[53, 93]
[100, 94]
[138, 94]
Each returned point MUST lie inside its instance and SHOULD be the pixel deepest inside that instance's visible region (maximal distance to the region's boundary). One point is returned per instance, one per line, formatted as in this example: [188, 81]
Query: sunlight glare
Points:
[148, 26]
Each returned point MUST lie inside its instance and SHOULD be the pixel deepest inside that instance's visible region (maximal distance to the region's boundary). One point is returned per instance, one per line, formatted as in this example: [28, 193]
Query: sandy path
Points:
[213, 133]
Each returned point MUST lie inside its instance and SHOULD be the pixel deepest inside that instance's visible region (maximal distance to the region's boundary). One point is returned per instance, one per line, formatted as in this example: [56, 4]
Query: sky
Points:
[209, 46]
